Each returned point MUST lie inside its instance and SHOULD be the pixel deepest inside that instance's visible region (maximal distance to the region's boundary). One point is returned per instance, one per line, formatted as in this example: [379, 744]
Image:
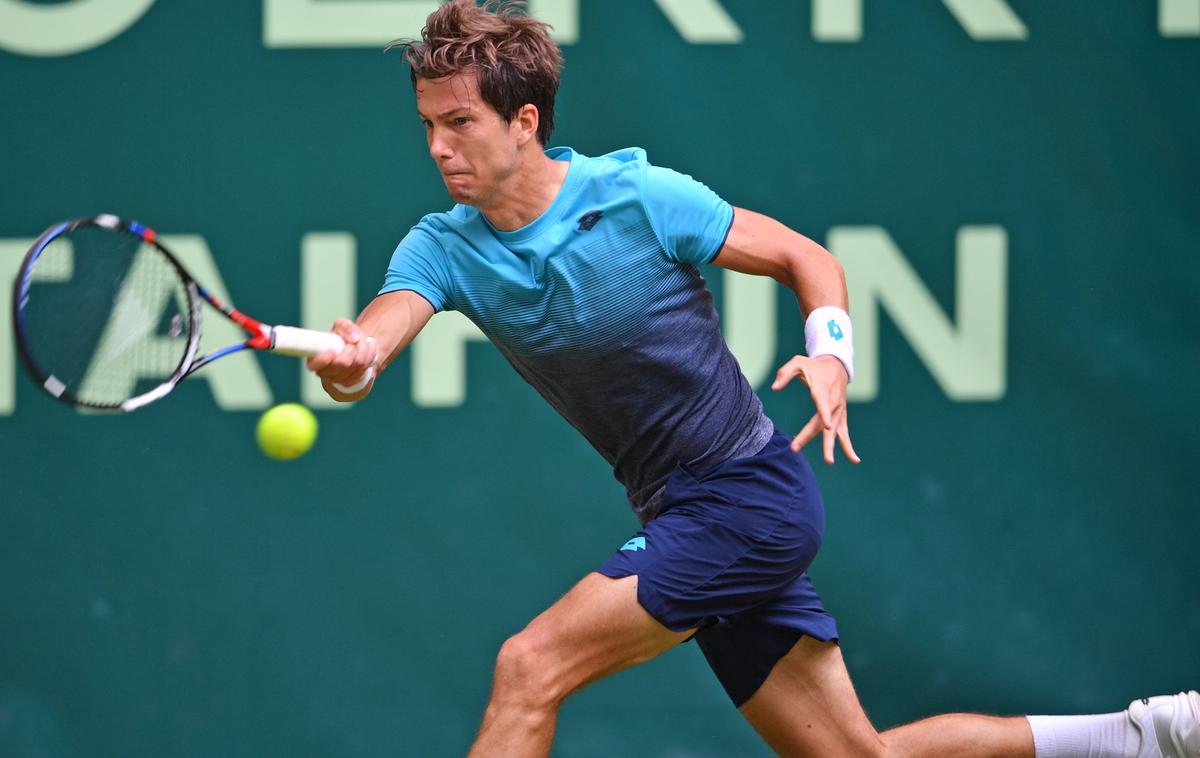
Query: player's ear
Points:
[525, 122]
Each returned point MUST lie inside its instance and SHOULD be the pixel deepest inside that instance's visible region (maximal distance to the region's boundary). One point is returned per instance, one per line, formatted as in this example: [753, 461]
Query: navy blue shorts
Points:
[727, 555]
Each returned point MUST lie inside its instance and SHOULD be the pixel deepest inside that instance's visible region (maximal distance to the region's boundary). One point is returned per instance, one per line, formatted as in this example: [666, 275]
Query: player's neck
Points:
[528, 193]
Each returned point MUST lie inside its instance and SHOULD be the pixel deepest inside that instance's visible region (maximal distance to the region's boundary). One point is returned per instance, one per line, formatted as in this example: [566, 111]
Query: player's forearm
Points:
[394, 320]
[760, 245]
[389, 337]
[818, 279]
[811, 271]
[391, 321]
[384, 328]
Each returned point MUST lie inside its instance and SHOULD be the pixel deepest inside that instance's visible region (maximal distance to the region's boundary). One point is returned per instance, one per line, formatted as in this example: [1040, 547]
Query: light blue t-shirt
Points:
[598, 304]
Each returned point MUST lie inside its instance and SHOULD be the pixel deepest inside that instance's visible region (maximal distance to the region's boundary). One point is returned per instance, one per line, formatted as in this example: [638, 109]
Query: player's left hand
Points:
[826, 379]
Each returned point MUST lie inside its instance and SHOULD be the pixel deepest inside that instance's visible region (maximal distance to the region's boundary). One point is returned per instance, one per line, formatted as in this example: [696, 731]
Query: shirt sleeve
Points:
[419, 264]
[691, 220]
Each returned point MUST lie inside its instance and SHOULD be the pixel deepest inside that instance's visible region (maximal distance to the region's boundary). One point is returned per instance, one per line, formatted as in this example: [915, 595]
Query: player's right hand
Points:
[348, 366]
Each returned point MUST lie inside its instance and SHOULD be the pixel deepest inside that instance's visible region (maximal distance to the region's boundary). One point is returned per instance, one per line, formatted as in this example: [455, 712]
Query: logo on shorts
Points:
[588, 220]
[635, 544]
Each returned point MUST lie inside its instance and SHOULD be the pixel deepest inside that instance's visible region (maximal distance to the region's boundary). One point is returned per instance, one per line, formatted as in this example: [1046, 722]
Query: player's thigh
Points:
[596, 629]
[807, 706]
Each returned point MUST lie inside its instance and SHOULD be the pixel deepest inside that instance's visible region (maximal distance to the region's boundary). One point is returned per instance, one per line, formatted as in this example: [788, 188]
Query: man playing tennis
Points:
[582, 271]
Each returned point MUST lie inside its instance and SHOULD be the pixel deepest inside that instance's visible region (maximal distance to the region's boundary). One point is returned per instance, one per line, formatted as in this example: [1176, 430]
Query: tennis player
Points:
[583, 272]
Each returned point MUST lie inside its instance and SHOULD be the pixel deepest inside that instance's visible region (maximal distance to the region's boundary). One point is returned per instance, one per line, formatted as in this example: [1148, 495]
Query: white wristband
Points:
[827, 331]
[367, 376]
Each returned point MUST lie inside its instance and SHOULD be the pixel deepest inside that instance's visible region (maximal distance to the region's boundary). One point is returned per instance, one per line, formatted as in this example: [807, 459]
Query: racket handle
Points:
[291, 340]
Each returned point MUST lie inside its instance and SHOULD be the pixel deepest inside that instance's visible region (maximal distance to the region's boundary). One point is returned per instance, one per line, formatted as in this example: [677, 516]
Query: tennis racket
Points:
[106, 318]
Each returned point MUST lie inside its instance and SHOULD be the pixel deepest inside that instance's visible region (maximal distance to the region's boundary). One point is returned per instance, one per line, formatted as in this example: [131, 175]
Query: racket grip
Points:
[291, 340]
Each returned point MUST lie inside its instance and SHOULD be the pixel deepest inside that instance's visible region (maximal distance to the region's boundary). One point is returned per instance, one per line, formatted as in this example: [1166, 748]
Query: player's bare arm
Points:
[762, 246]
[385, 327]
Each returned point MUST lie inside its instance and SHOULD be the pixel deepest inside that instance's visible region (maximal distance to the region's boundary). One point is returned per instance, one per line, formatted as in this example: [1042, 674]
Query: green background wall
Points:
[167, 591]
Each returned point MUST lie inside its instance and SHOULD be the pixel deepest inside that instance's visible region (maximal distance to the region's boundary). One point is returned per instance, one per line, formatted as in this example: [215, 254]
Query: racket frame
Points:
[262, 336]
[51, 384]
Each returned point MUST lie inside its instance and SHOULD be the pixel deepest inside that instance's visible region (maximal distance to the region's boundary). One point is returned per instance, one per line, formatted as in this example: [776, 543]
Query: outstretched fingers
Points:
[826, 380]
[808, 433]
[842, 436]
[788, 371]
[837, 431]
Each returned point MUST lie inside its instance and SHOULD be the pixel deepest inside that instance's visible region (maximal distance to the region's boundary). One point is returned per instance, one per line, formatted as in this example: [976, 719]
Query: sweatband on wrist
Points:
[358, 386]
[827, 331]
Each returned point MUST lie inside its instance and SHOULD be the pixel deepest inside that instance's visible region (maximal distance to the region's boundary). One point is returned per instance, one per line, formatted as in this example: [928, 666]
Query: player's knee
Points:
[525, 672]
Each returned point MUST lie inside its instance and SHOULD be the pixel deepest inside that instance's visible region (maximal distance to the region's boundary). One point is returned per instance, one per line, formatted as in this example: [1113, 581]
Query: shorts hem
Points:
[654, 604]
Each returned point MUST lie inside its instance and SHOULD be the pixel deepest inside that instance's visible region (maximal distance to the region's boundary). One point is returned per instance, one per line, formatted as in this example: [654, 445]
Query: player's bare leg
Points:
[808, 707]
[964, 735]
[596, 629]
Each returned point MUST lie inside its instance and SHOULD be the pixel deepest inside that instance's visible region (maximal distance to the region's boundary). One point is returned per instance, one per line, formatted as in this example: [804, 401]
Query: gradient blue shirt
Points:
[598, 304]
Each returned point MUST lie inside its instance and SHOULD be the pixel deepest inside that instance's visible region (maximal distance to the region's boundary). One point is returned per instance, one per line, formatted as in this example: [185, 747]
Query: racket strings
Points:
[112, 320]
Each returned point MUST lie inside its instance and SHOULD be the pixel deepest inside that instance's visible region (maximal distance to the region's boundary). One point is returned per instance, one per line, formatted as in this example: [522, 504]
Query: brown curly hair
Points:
[512, 55]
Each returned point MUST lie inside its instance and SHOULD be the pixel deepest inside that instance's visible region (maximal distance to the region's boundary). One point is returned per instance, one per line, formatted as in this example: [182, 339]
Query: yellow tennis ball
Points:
[286, 431]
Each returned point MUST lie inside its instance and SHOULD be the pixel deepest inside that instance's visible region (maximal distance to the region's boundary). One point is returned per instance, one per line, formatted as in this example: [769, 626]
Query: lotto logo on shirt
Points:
[589, 219]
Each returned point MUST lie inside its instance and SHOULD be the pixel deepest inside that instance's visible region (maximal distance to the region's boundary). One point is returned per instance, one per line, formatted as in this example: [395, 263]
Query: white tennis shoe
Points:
[1169, 725]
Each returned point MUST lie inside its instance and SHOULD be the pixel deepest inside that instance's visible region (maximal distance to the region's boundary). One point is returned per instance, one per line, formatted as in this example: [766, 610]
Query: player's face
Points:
[474, 148]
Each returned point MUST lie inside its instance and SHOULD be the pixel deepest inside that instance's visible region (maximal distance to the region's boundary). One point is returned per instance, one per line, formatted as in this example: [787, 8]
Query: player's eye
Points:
[461, 121]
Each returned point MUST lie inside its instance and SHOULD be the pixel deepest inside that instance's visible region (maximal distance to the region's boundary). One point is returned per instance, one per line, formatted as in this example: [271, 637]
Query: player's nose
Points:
[439, 148]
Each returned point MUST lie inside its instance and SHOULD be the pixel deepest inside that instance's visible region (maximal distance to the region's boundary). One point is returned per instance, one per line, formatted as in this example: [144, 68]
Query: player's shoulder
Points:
[626, 157]
[632, 165]
[446, 229]
[611, 178]
[455, 218]
[627, 160]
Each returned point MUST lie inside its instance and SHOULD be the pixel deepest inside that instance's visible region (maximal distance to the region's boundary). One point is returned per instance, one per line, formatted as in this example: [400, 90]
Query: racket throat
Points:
[261, 337]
